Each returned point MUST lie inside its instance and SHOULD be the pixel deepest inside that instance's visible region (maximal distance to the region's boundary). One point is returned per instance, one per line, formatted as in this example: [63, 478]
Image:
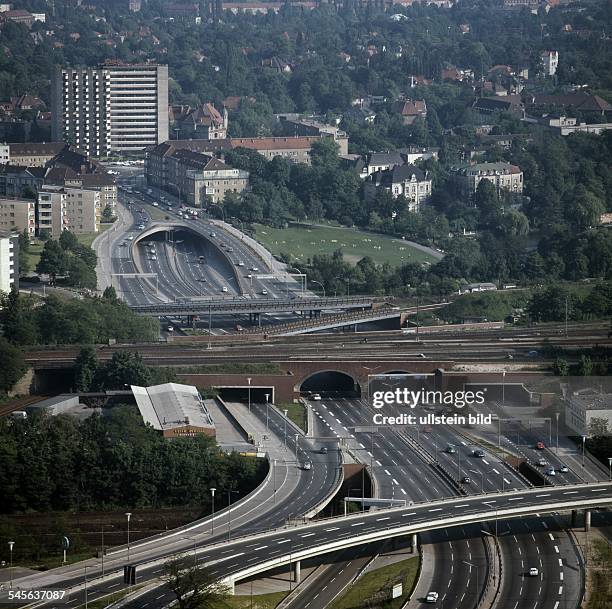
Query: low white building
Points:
[588, 412]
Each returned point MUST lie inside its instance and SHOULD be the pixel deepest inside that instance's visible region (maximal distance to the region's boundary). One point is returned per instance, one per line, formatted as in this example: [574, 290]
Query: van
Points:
[19, 414]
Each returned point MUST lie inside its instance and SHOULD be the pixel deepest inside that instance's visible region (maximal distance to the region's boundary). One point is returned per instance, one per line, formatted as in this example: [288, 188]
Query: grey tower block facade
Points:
[110, 109]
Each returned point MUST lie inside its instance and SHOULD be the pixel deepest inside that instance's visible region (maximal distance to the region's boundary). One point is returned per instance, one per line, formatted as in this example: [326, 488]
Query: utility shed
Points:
[175, 410]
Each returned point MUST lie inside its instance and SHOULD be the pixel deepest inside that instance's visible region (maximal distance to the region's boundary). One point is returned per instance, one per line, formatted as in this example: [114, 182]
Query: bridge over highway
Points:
[256, 553]
[256, 306]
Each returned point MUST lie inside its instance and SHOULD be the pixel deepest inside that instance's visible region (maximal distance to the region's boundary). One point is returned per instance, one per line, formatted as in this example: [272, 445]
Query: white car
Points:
[254, 269]
[224, 289]
[131, 238]
[170, 328]
[432, 597]
[240, 263]
[155, 204]
[534, 572]
[307, 465]
[551, 471]
[564, 469]
[315, 396]
[264, 292]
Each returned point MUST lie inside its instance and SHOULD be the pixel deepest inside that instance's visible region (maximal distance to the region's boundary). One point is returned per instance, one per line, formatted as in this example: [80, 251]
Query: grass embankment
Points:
[296, 413]
[303, 242]
[259, 601]
[600, 596]
[374, 588]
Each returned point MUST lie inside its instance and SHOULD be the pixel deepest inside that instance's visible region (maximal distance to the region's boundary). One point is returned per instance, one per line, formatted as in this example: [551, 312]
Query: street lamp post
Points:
[481, 479]
[285, 411]
[11, 544]
[274, 480]
[86, 596]
[249, 382]
[267, 418]
[212, 522]
[503, 387]
[583, 443]
[129, 516]
[610, 469]
[229, 512]
[319, 283]
[477, 577]
[557, 417]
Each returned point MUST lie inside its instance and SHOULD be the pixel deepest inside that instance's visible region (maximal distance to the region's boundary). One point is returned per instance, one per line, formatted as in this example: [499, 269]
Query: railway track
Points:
[19, 404]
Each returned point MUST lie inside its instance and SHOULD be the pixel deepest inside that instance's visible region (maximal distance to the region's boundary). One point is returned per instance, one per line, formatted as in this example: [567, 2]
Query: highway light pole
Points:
[583, 443]
[481, 479]
[285, 411]
[249, 382]
[229, 512]
[610, 469]
[267, 417]
[319, 283]
[503, 387]
[557, 417]
[212, 522]
[86, 596]
[11, 544]
[129, 516]
[274, 480]
[477, 577]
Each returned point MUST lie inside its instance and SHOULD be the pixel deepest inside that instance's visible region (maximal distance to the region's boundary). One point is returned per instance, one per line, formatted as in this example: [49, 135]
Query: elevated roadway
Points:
[253, 554]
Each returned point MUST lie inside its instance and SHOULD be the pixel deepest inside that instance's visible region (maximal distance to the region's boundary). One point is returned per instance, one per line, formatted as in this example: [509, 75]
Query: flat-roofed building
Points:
[588, 412]
[503, 176]
[175, 410]
[19, 215]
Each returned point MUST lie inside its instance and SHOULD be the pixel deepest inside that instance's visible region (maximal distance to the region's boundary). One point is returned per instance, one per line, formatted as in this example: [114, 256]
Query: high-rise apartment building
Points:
[112, 108]
[9, 261]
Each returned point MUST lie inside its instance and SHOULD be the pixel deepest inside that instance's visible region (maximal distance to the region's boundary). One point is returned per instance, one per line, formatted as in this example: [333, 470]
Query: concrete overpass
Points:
[257, 306]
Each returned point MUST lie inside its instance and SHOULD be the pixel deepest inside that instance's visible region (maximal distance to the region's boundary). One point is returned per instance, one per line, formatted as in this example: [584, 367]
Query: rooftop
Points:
[172, 405]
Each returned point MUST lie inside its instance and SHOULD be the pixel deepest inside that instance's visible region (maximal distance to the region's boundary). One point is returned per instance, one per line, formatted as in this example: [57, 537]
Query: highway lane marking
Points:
[570, 492]
[495, 471]
[387, 472]
[379, 463]
[560, 562]
[115, 585]
[561, 576]
[538, 549]
[485, 462]
[487, 502]
[462, 505]
[332, 529]
[385, 518]
[552, 537]
[556, 605]
[557, 549]
[560, 589]
[403, 491]
[255, 550]
[544, 524]
[308, 535]
[516, 498]
[409, 514]
[158, 597]
[395, 482]
[436, 510]
[547, 495]
[357, 524]
[598, 490]
[506, 481]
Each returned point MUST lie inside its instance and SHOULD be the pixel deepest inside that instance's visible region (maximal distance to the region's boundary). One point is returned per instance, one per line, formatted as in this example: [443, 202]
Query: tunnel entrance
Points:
[241, 394]
[331, 383]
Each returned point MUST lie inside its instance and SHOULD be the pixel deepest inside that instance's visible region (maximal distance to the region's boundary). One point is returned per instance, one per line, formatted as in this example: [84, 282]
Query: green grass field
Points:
[303, 242]
[375, 586]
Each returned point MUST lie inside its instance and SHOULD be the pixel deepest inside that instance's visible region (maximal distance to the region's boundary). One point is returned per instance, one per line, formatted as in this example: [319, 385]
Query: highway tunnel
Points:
[241, 394]
[331, 382]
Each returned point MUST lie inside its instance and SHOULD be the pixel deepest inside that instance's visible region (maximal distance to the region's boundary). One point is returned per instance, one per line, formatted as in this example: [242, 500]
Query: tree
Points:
[585, 366]
[125, 368]
[110, 294]
[68, 241]
[13, 365]
[107, 214]
[561, 367]
[18, 319]
[324, 153]
[52, 260]
[24, 250]
[80, 274]
[85, 368]
[194, 587]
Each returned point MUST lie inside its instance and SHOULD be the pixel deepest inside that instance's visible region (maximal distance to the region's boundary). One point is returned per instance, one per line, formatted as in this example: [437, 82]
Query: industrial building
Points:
[173, 409]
